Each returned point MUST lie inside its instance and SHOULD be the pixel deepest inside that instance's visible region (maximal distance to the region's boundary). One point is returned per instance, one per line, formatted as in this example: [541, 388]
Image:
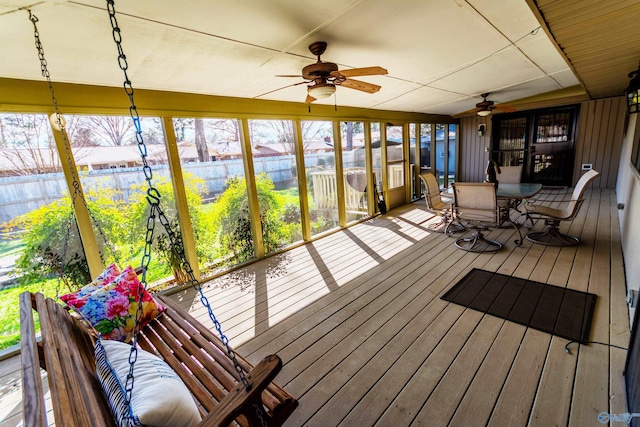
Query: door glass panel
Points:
[355, 171]
[541, 141]
[440, 152]
[451, 169]
[553, 127]
[395, 157]
[512, 141]
[552, 147]
[320, 170]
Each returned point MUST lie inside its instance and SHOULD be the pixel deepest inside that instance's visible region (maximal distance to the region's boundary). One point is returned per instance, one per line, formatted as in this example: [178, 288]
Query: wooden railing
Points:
[325, 188]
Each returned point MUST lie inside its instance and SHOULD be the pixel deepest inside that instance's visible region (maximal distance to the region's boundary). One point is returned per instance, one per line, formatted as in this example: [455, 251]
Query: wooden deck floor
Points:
[366, 340]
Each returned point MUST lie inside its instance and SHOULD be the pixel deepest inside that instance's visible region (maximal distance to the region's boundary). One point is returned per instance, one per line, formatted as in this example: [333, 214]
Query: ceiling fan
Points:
[485, 107]
[323, 77]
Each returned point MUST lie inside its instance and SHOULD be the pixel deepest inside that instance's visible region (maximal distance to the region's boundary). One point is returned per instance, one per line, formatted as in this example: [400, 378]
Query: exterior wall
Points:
[473, 157]
[599, 141]
[628, 193]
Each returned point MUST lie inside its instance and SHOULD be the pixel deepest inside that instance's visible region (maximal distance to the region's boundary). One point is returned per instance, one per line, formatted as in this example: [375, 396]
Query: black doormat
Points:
[559, 311]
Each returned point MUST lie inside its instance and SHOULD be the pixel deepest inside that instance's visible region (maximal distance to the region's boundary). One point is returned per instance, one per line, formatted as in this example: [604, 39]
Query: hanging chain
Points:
[60, 123]
[153, 197]
[58, 118]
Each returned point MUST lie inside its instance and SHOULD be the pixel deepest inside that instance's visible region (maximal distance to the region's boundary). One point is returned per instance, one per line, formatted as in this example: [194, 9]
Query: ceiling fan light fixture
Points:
[322, 90]
[484, 113]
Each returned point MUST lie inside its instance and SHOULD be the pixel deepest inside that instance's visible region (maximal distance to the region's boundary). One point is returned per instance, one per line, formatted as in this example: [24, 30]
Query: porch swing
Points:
[225, 387]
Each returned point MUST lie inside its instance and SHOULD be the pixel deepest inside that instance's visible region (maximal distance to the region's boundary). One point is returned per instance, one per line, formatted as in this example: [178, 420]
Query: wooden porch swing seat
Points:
[66, 352]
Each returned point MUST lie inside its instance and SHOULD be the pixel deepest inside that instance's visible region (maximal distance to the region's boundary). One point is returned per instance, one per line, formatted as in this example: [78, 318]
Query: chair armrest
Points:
[530, 204]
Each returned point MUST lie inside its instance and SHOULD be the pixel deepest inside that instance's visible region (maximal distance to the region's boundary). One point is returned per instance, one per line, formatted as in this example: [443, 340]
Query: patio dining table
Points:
[518, 192]
[511, 194]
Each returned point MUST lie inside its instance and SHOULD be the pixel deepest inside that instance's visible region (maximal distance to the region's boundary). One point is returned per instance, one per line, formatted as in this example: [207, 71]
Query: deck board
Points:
[366, 340]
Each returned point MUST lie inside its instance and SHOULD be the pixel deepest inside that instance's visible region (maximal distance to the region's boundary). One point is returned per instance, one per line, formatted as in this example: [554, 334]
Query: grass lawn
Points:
[9, 298]
[10, 247]
[10, 309]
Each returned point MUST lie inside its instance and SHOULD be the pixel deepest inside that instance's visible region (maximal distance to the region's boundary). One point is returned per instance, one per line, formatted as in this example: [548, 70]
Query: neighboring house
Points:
[125, 156]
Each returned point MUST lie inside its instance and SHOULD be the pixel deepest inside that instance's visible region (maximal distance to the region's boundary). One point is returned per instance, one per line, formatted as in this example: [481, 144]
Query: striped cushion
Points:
[159, 396]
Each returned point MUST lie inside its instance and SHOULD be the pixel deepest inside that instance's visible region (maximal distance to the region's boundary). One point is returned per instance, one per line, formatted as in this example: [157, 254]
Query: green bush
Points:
[51, 237]
[291, 213]
[52, 243]
[165, 259]
[232, 223]
[322, 224]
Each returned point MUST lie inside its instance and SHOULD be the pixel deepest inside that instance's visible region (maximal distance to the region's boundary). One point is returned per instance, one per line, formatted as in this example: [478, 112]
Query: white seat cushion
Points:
[159, 397]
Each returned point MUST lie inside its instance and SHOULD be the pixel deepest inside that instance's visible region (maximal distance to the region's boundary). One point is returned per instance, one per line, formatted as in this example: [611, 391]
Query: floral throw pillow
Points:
[75, 299]
[111, 309]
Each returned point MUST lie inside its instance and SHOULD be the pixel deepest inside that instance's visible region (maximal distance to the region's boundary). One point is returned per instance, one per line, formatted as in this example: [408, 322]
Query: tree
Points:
[112, 130]
[26, 143]
[79, 131]
[224, 129]
[281, 132]
[201, 142]
[152, 131]
[180, 124]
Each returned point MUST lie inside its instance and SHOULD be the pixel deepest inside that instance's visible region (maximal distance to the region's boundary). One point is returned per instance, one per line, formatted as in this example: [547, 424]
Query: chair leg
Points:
[478, 243]
[445, 225]
[453, 227]
[531, 223]
[507, 218]
[551, 236]
[440, 226]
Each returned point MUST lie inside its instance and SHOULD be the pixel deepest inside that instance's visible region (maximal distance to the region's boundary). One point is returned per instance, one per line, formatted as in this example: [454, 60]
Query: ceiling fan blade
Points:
[280, 88]
[290, 75]
[355, 72]
[507, 108]
[309, 99]
[358, 85]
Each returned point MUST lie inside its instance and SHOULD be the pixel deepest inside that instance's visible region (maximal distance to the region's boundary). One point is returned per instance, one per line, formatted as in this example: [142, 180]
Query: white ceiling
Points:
[441, 54]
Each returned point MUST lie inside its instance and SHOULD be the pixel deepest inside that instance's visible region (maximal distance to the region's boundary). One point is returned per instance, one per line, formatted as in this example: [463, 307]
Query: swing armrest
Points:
[66, 348]
[32, 391]
[240, 401]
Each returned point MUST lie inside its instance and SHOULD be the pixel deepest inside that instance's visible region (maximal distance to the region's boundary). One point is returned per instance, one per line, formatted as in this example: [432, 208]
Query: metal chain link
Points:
[153, 197]
[59, 121]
